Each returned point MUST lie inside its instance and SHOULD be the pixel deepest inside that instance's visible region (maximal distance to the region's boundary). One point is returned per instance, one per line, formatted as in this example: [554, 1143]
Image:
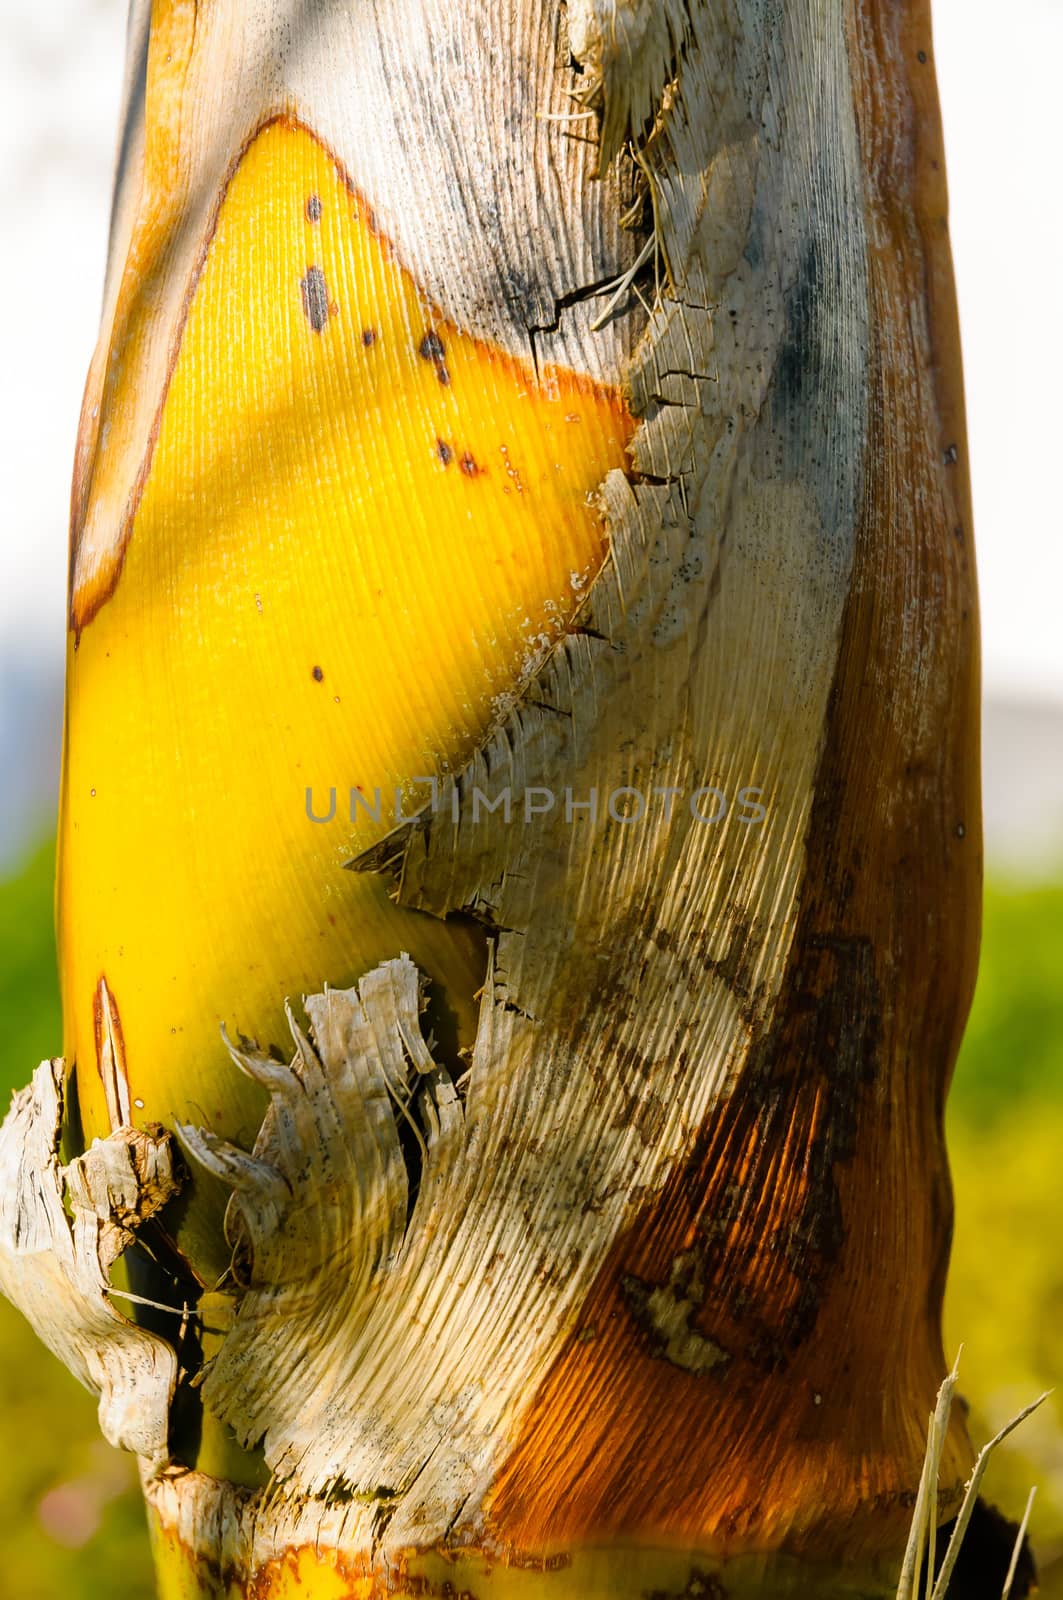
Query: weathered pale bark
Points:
[639, 1294]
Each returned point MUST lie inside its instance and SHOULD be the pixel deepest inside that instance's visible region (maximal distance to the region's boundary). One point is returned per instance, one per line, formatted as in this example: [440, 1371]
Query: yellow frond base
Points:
[358, 530]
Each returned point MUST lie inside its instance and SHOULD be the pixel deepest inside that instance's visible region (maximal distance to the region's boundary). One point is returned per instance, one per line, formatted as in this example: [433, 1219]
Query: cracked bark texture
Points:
[650, 1303]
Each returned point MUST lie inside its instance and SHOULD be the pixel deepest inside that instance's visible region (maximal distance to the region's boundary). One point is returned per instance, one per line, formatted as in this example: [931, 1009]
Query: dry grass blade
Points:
[937, 1436]
[971, 1495]
[939, 1423]
[1017, 1550]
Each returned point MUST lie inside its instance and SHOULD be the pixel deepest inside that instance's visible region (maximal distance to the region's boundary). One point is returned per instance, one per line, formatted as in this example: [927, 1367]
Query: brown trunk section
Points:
[808, 1233]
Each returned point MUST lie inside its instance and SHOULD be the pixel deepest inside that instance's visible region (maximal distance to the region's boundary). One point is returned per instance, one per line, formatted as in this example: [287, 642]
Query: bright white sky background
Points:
[998, 70]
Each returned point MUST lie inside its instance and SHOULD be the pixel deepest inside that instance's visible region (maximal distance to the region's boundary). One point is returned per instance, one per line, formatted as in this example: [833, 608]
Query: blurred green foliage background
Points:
[71, 1526]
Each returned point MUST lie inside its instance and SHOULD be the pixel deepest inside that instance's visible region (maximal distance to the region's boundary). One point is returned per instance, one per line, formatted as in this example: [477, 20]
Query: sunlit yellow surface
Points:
[300, 1574]
[356, 524]
[628, 1571]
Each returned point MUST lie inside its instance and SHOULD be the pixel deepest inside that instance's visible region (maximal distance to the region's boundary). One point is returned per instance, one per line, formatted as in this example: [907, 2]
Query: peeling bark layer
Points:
[61, 1229]
[807, 1232]
[639, 1294]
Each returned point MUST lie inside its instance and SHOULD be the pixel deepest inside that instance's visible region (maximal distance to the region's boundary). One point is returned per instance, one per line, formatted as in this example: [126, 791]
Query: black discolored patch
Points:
[368, 337]
[984, 1557]
[313, 208]
[316, 306]
[318, 675]
[798, 367]
[432, 348]
[469, 466]
[444, 452]
[700, 1586]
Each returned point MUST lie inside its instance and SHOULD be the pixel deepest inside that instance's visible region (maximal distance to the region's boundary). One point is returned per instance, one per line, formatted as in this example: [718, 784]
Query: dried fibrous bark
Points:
[640, 1293]
[61, 1230]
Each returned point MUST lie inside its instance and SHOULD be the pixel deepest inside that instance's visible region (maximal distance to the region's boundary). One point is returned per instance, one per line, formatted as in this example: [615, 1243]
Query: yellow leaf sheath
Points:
[355, 528]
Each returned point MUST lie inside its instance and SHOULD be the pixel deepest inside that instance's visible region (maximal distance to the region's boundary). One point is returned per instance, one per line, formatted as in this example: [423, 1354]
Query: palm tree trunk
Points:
[591, 1239]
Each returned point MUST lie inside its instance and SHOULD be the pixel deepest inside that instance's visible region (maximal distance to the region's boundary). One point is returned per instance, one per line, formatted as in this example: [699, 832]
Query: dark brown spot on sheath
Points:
[315, 298]
[313, 208]
[317, 674]
[469, 466]
[432, 348]
[444, 452]
[368, 336]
